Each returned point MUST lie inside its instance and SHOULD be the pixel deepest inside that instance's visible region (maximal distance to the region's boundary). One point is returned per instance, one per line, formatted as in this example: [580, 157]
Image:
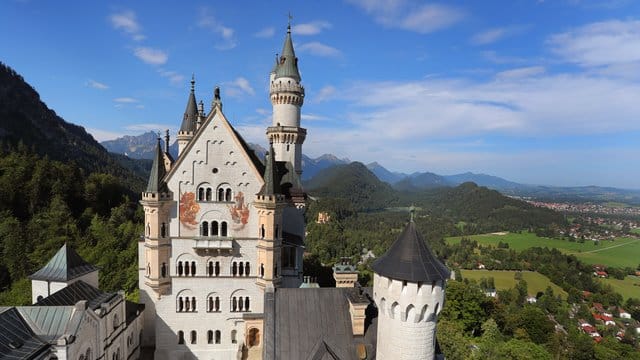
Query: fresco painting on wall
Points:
[189, 210]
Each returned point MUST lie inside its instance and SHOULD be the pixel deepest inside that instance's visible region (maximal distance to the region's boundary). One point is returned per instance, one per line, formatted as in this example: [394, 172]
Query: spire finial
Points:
[193, 82]
[412, 211]
[289, 23]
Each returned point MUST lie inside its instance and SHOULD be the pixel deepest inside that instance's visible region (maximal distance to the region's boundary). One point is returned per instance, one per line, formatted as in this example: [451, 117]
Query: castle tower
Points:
[269, 204]
[154, 253]
[408, 288]
[287, 97]
[189, 120]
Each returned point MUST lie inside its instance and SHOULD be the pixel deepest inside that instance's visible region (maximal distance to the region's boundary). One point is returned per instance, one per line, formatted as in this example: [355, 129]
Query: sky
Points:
[538, 92]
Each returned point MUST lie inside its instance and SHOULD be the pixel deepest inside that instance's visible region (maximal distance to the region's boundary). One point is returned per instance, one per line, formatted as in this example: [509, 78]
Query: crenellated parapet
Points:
[406, 301]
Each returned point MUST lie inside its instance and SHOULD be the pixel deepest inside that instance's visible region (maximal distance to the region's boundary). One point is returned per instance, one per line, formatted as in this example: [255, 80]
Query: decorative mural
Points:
[239, 212]
[189, 210]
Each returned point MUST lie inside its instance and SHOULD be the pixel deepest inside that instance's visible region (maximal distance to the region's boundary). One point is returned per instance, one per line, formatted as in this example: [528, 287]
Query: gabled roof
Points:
[75, 292]
[155, 183]
[65, 265]
[191, 112]
[17, 340]
[288, 65]
[49, 322]
[410, 259]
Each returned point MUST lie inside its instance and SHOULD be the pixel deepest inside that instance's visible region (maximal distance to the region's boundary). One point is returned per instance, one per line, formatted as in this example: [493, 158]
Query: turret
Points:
[287, 97]
[189, 120]
[156, 201]
[270, 204]
[408, 288]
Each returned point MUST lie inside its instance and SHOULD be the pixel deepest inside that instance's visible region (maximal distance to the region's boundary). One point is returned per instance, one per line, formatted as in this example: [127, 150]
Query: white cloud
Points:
[126, 100]
[239, 87]
[103, 135]
[311, 28]
[488, 36]
[411, 15]
[206, 20]
[151, 56]
[174, 77]
[127, 22]
[600, 44]
[319, 49]
[144, 127]
[266, 32]
[97, 85]
[496, 58]
[313, 117]
[263, 111]
[523, 72]
[324, 94]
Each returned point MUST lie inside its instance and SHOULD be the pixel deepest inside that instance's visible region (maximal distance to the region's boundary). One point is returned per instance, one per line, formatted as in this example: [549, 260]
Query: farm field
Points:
[504, 280]
[622, 252]
[629, 287]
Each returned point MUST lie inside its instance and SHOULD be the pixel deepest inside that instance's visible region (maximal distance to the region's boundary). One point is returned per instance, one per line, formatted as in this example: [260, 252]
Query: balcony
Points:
[220, 244]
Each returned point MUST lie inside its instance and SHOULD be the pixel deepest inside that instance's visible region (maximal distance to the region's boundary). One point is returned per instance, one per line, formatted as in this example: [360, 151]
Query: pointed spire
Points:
[191, 112]
[271, 186]
[65, 265]
[288, 63]
[166, 141]
[155, 183]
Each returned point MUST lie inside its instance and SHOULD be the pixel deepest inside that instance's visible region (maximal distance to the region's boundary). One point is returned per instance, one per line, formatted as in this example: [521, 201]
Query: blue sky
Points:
[542, 92]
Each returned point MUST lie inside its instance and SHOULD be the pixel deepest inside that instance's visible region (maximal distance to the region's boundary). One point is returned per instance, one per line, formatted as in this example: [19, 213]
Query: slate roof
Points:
[75, 292]
[292, 239]
[155, 183]
[65, 265]
[191, 112]
[252, 154]
[271, 185]
[288, 66]
[17, 341]
[312, 323]
[410, 259]
[49, 322]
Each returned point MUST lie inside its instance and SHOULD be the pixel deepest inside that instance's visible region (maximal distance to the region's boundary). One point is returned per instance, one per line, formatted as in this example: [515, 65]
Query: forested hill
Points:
[25, 119]
[355, 183]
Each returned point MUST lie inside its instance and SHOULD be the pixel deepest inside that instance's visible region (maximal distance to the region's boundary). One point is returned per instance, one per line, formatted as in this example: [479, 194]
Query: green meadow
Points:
[506, 280]
[622, 252]
[629, 287]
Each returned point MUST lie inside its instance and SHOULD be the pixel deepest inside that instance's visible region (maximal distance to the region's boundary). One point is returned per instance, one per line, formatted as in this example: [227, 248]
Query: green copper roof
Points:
[271, 186]
[288, 66]
[65, 265]
[157, 172]
[191, 112]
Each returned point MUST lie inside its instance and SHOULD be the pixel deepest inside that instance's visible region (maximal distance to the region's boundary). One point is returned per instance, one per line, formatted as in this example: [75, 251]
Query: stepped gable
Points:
[410, 259]
[65, 265]
[75, 292]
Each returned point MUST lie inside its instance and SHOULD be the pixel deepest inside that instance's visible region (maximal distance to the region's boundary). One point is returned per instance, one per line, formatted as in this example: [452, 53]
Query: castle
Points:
[220, 263]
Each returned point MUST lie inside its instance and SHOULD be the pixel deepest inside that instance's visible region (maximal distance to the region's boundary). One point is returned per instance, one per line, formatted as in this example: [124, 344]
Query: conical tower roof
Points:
[155, 183]
[410, 259]
[191, 112]
[65, 265]
[271, 185]
[288, 65]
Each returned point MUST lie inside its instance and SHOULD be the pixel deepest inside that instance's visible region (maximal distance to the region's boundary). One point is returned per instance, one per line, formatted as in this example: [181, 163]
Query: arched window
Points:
[200, 194]
[148, 269]
[246, 303]
[246, 268]
[187, 304]
[209, 194]
[180, 337]
[180, 304]
[115, 321]
[223, 228]
[276, 232]
[204, 229]
[261, 270]
[187, 268]
[234, 304]
[240, 269]
[240, 304]
[193, 268]
[234, 269]
[194, 337]
[262, 231]
[163, 230]
[214, 228]
[81, 357]
[221, 194]
[164, 270]
[210, 337]
[88, 354]
[180, 269]
[216, 304]
[210, 268]
[218, 336]
[193, 303]
[210, 304]
[233, 337]
[217, 269]
[227, 196]
[148, 229]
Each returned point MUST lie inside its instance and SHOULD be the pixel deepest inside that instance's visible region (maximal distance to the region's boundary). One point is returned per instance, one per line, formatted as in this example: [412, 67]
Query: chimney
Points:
[344, 273]
[358, 303]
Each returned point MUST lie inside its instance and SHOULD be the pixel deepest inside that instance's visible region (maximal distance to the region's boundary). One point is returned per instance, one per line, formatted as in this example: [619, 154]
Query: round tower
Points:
[408, 288]
[287, 97]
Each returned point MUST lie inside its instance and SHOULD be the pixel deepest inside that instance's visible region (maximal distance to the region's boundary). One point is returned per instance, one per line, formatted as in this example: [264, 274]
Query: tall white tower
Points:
[408, 288]
[287, 97]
